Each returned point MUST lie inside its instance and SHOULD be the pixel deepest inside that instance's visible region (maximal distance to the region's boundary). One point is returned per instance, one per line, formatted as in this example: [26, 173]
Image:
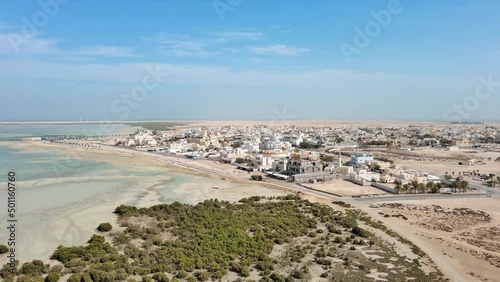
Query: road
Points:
[182, 161]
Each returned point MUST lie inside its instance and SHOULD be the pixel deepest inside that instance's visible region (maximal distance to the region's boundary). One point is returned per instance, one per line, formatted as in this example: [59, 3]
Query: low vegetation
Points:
[105, 227]
[271, 239]
[3, 249]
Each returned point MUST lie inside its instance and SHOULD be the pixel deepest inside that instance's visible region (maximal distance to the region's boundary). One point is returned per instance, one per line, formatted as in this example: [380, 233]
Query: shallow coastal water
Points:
[50, 130]
[63, 195]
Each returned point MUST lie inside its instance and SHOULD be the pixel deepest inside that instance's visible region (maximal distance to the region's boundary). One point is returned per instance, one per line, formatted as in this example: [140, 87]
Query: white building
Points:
[296, 141]
[250, 146]
[263, 163]
[364, 175]
[269, 145]
[359, 159]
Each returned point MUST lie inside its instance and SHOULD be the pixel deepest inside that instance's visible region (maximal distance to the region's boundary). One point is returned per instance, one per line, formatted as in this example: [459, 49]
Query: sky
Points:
[62, 60]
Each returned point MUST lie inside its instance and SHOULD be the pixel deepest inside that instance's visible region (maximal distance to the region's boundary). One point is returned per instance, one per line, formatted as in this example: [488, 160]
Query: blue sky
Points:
[250, 59]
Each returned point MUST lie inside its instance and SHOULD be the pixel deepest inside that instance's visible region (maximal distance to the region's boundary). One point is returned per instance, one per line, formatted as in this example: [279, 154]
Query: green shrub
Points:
[24, 279]
[298, 274]
[105, 227]
[182, 274]
[356, 230]
[53, 277]
[3, 249]
[161, 277]
[34, 268]
[57, 268]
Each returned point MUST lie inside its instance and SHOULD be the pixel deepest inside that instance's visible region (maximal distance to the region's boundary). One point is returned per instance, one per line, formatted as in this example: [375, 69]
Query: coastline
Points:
[195, 168]
[66, 210]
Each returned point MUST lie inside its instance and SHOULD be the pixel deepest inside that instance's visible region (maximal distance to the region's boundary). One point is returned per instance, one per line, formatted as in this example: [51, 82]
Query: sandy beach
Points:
[60, 210]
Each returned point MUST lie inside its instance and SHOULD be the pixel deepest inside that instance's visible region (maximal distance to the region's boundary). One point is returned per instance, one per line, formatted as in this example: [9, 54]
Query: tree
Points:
[421, 188]
[3, 249]
[398, 187]
[414, 186]
[406, 188]
[104, 227]
[257, 177]
[439, 185]
[53, 277]
[34, 268]
[430, 186]
[376, 167]
[464, 186]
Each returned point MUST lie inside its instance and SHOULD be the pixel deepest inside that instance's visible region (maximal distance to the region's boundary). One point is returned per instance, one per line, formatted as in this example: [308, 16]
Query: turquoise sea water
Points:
[51, 130]
[63, 194]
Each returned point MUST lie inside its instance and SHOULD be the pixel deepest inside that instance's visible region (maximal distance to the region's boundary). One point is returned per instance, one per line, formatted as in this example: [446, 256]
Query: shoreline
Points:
[189, 167]
[194, 168]
[66, 210]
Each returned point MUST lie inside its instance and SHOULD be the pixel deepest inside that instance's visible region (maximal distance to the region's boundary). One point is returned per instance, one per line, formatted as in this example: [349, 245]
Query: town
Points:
[433, 158]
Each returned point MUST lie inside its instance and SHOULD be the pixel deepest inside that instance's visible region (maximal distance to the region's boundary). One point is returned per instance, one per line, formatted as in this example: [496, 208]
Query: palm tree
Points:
[430, 186]
[398, 187]
[439, 186]
[406, 188]
[465, 186]
[421, 188]
[414, 185]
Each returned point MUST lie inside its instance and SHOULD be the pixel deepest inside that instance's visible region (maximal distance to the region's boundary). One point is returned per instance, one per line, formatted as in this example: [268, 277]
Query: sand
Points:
[454, 255]
[54, 215]
[345, 188]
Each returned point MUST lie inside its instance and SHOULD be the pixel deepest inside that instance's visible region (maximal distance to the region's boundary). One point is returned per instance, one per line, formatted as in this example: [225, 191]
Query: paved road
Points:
[424, 197]
[483, 192]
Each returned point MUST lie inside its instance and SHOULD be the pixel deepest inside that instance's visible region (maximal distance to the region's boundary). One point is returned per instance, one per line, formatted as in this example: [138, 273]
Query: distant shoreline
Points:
[85, 122]
[196, 121]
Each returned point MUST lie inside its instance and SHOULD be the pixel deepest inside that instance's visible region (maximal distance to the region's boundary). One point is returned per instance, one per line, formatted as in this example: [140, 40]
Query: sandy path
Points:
[440, 246]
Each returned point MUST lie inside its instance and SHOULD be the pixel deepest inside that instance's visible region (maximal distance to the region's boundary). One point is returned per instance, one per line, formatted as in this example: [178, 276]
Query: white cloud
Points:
[6, 26]
[237, 36]
[105, 51]
[176, 41]
[17, 43]
[280, 50]
[181, 45]
[280, 28]
[186, 53]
